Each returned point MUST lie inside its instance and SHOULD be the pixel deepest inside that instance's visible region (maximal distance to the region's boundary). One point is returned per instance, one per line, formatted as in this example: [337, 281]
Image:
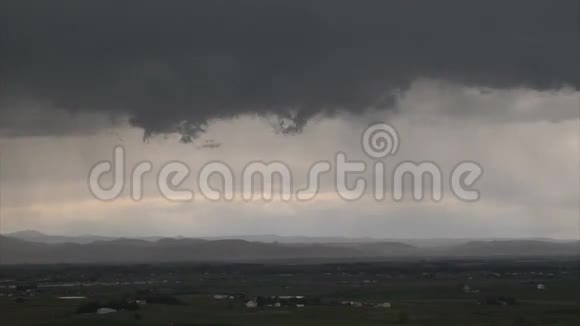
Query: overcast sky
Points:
[495, 82]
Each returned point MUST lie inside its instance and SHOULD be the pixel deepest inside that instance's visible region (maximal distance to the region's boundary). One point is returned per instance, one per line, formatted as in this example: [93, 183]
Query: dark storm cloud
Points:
[175, 65]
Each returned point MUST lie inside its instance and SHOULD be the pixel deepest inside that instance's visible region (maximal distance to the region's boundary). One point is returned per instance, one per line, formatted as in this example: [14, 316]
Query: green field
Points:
[206, 311]
[416, 298]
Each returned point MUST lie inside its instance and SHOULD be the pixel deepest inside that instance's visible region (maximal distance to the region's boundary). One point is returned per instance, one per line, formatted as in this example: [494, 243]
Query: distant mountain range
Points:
[35, 236]
[32, 247]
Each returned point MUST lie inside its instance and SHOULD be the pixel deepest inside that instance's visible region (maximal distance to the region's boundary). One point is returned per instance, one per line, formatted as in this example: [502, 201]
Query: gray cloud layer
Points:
[174, 66]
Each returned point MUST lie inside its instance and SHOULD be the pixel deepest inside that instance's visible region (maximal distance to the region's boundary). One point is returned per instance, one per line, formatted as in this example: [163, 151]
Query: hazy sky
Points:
[494, 82]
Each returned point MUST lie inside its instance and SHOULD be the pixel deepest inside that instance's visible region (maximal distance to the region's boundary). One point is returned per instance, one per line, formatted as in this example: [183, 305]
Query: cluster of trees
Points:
[161, 299]
[152, 297]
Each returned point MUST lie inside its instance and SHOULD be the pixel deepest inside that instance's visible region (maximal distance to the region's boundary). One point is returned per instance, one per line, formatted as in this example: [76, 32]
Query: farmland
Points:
[442, 292]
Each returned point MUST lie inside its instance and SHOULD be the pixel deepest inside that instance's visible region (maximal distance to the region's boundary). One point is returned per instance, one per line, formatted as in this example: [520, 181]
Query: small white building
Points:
[251, 304]
[299, 305]
[104, 311]
[220, 296]
[541, 287]
[468, 289]
[386, 305]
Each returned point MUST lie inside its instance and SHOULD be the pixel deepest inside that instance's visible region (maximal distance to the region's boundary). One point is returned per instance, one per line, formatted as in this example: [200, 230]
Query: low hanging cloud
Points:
[175, 66]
